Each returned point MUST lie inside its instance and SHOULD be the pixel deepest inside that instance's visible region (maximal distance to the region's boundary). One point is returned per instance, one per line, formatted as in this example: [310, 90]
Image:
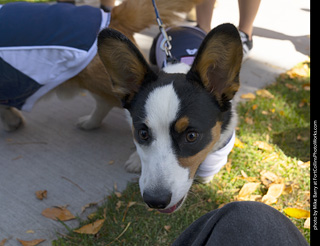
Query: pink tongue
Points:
[168, 210]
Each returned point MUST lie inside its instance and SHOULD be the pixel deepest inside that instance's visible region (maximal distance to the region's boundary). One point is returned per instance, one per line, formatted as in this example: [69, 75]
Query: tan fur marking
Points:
[182, 124]
[193, 162]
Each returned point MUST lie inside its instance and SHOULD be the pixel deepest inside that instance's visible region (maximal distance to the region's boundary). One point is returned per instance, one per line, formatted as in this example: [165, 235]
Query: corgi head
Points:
[179, 114]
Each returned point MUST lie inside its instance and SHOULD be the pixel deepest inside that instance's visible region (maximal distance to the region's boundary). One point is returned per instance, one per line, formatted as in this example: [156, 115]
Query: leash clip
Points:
[165, 44]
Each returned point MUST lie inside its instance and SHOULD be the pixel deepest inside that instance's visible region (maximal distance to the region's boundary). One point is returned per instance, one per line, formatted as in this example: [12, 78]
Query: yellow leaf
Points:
[264, 93]
[92, 228]
[247, 189]
[249, 96]
[58, 213]
[31, 243]
[297, 213]
[238, 143]
[263, 145]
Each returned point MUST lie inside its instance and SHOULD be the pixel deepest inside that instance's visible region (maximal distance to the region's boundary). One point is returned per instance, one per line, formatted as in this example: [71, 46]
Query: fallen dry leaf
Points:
[306, 86]
[31, 243]
[167, 227]
[130, 204]
[228, 166]
[307, 223]
[92, 228]
[249, 120]
[274, 191]
[299, 71]
[264, 93]
[238, 143]
[3, 241]
[304, 164]
[118, 194]
[89, 205]
[268, 177]
[273, 156]
[40, 194]
[297, 213]
[249, 96]
[58, 213]
[247, 189]
[263, 145]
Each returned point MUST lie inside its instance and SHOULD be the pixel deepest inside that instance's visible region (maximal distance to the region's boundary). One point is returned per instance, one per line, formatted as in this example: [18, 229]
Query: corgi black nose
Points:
[157, 199]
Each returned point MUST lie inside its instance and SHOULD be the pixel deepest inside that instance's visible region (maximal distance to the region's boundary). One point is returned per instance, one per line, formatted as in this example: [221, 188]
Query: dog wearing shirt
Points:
[53, 47]
[182, 115]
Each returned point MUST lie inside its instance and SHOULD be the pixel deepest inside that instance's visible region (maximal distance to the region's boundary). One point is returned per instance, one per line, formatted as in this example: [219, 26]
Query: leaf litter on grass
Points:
[260, 168]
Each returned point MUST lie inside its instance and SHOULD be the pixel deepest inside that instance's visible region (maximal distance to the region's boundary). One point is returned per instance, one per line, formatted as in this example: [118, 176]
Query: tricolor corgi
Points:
[182, 117]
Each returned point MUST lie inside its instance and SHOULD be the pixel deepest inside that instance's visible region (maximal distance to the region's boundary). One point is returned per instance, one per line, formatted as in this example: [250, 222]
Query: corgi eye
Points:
[143, 134]
[192, 136]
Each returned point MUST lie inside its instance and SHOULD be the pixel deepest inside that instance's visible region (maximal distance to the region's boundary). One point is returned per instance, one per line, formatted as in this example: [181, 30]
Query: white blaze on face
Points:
[160, 167]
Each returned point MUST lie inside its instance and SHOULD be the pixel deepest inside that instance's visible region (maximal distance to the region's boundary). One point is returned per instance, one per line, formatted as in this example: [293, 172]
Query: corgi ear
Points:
[217, 64]
[124, 63]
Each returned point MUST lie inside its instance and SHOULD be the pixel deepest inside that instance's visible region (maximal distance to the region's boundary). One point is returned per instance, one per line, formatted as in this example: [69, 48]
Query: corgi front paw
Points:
[11, 119]
[133, 164]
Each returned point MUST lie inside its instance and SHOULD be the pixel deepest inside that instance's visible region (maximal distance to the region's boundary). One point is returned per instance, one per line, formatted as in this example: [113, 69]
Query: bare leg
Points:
[248, 10]
[204, 12]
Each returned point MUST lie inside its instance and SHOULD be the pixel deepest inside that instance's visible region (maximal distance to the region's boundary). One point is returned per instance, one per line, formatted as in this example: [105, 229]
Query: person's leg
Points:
[204, 13]
[242, 224]
[248, 10]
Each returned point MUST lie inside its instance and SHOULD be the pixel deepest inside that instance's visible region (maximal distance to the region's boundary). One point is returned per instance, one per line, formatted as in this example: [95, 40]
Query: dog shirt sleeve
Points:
[216, 160]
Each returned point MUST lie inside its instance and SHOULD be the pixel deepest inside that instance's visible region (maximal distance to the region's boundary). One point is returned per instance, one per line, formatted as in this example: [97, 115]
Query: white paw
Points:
[11, 119]
[88, 123]
[133, 164]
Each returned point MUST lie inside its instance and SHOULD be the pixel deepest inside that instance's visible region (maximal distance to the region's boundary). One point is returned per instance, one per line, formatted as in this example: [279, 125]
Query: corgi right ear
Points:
[125, 64]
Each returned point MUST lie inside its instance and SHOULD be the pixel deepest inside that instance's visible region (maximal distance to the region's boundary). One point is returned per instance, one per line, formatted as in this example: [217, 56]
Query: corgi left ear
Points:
[218, 62]
[124, 63]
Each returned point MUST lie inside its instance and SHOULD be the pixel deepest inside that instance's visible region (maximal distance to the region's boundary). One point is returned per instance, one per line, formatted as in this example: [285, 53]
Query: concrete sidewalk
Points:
[78, 167]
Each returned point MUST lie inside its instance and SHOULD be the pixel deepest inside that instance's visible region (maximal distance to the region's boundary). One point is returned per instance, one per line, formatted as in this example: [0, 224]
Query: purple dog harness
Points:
[42, 46]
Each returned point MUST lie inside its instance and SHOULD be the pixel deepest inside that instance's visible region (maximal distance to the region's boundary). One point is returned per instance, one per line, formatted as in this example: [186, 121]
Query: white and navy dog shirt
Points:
[42, 45]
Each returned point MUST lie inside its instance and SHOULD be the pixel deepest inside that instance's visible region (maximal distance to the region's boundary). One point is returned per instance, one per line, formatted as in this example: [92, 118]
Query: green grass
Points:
[281, 121]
